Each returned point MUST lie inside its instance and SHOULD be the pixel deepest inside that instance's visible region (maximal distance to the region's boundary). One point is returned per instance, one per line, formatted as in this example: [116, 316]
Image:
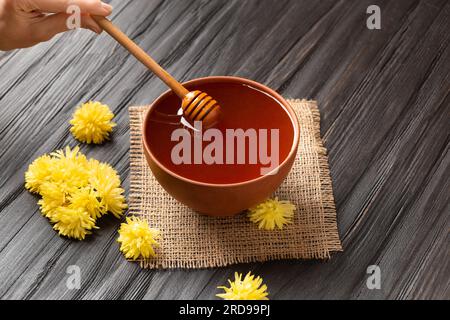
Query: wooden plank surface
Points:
[384, 99]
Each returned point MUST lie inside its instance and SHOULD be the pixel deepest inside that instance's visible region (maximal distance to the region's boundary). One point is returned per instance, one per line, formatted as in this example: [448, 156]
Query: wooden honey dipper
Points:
[196, 105]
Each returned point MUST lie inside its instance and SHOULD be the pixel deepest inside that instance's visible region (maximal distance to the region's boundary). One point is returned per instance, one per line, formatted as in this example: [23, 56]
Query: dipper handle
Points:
[141, 55]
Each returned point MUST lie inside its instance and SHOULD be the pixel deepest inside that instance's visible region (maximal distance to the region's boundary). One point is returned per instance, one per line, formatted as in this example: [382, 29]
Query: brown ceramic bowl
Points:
[221, 199]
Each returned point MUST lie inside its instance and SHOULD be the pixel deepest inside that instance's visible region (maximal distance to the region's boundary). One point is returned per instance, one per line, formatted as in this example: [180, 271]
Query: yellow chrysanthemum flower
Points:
[69, 169]
[99, 171]
[38, 172]
[89, 200]
[112, 196]
[250, 288]
[272, 214]
[92, 123]
[75, 191]
[137, 239]
[73, 223]
[53, 197]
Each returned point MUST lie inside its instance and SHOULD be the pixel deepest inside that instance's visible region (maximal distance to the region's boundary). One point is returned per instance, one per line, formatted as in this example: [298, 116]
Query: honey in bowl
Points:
[216, 155]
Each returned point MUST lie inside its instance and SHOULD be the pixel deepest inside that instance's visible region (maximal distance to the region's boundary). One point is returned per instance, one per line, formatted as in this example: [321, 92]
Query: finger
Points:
[48, 27]
[88, 23]
[95, 7]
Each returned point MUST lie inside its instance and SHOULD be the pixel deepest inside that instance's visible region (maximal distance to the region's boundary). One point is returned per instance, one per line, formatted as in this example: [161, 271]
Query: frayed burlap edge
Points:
[328, 230]
[326, 184]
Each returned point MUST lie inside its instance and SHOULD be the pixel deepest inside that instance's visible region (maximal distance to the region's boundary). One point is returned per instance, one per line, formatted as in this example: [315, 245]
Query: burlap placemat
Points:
[190, 240]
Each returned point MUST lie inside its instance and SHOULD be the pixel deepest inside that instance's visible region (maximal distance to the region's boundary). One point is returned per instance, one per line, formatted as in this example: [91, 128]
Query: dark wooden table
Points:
[385, 104]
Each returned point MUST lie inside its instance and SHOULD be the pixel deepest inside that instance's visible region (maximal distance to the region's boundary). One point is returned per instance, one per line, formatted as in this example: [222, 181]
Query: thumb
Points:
[49, 26]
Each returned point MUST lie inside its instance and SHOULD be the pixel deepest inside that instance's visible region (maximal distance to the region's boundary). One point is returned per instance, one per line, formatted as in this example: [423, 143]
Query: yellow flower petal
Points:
[38, 172]
[69, 170]
[87, 199]
[99, 172]
[91, 123]
[73, 223]
[272, 214]
[68, 155]
[53, 197]
[250, 288]
[137, 239]
[111, 196]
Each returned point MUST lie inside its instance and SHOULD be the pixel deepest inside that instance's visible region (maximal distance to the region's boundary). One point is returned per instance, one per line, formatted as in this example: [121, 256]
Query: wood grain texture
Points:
[384, 99]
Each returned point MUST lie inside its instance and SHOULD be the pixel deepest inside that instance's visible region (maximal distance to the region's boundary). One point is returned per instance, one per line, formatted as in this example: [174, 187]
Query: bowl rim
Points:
[213, 79]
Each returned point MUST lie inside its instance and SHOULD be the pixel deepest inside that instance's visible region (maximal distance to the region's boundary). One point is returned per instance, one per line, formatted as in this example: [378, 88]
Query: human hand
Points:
[24, 23]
